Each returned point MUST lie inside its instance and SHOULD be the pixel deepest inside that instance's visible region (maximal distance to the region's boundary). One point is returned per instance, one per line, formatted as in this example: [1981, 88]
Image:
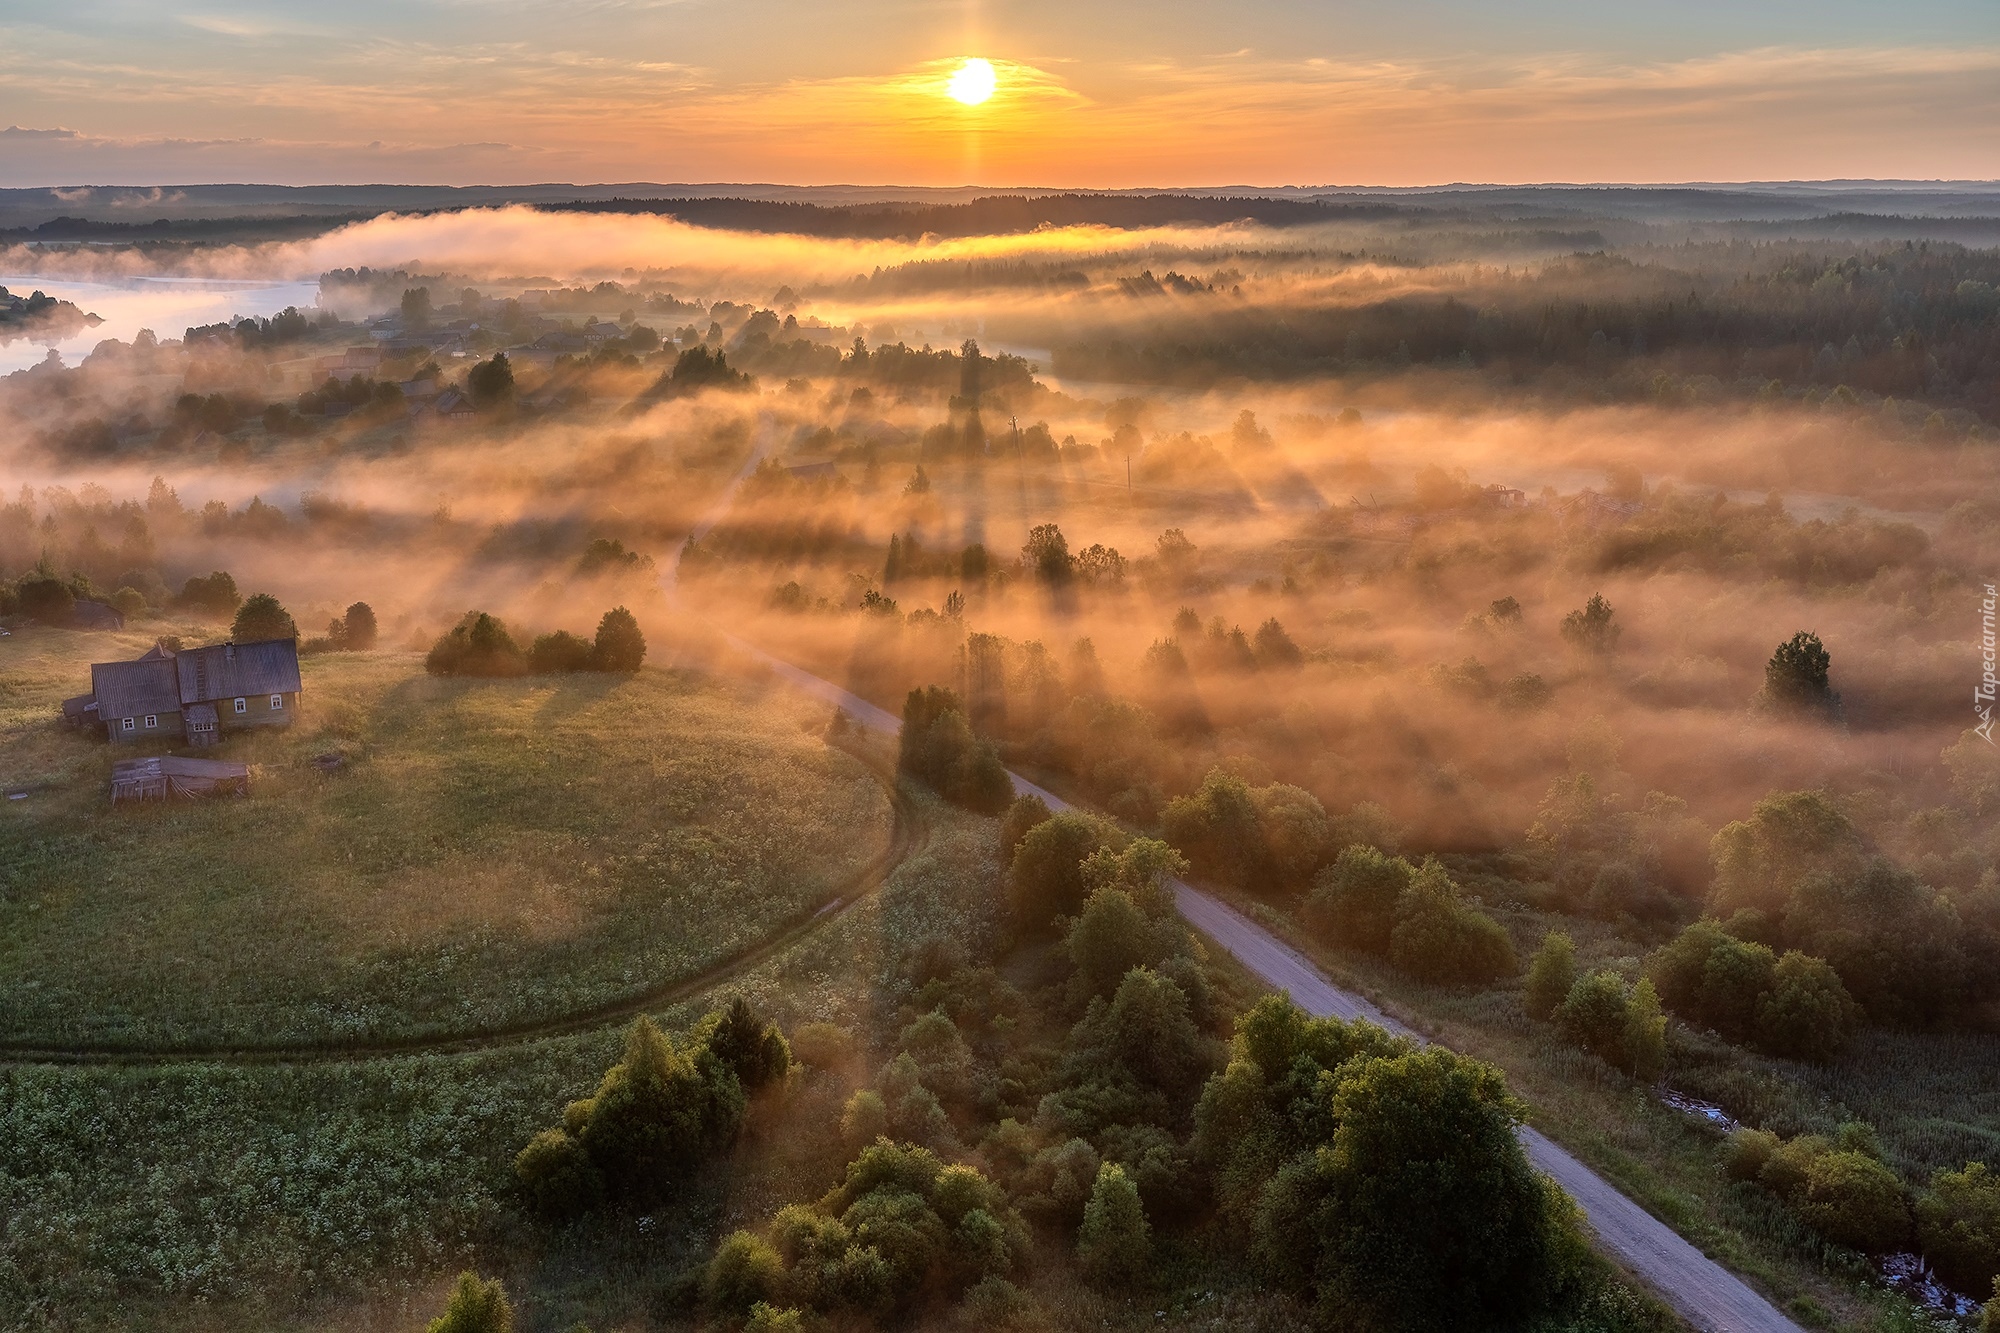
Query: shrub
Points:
[768, 1318]
[128, 602]
[214, 595]
[1807, 1014]
[1795, 1006]
[822, 1045]
[476, 1307]
[1114, 1244]
[1046, 880]
[1217, 829]
[900, 1223]
[1140, 870]
[46, 599]
[1110, 938]
[1146, 1035]
[654, 1116]
[557, 1176]
[1439, 939]
[1024, 814]
[261, 617]
[745, 1272]
[619, 646]
[1593, 1015]
[1748, 1152]
[1853, 1200]
[1958, 1221]
[559, 653]
[937, 745]
[1551, 973]
[478, 645]
[1461, 1231]
[864, 1119]
[1354, 900]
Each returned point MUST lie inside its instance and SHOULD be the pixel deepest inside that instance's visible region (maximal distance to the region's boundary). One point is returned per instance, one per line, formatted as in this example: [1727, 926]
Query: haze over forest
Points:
[1137, 685]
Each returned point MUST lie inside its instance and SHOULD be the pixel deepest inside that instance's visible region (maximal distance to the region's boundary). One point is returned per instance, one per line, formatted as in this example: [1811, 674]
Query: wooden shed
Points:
[166, 778]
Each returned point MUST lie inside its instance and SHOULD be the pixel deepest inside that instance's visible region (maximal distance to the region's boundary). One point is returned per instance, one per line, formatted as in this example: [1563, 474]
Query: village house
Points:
[194, 694]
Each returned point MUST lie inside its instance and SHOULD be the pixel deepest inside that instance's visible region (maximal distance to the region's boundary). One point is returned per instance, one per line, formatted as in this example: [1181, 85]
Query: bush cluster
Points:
[1619, 1023]
[1316, 1124]
[479, 645]
[901, 1226]
[1838, 1187]
[1413, 915]
[1793, 1006]
[937, 747]
[1799, 875]
[656, 1115]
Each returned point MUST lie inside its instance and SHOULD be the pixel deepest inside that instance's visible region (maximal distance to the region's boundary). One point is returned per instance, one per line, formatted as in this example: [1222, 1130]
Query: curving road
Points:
[1703, 1292]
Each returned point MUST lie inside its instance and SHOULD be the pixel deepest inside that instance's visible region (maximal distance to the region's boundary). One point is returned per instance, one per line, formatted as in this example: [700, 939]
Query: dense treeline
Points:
[991, 215]
[1903, 322]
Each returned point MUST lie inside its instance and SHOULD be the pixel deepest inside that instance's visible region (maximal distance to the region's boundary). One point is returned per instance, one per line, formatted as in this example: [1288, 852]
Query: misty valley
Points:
[1046, 761]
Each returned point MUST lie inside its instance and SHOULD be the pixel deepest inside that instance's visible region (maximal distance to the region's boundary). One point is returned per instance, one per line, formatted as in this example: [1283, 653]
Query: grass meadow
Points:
[487, 853]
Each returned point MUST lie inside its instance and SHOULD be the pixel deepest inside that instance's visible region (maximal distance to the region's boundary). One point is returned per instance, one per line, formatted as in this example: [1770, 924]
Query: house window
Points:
[277, 703]
[242, 705]
[130, 724]
[152, 721]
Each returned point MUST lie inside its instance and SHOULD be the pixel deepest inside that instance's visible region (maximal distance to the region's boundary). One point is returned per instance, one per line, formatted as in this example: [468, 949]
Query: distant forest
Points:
[994, 215]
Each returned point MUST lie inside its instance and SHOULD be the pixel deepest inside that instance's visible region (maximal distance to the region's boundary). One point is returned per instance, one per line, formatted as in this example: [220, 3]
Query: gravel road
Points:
[1701, 1291]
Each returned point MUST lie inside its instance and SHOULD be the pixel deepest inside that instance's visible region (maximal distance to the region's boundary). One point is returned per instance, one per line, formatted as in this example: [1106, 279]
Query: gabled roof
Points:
[133, 689]
[228, 670]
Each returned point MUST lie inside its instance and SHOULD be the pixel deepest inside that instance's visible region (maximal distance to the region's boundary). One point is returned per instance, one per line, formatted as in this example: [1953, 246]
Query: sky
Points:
[1166, 93]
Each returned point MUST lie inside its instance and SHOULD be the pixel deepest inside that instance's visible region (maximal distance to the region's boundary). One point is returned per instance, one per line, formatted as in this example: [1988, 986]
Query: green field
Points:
[341, 1194]
[487, 854]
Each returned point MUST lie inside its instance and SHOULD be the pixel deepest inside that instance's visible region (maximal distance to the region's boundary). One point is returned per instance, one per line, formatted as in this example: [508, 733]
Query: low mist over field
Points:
[1365, 425]
[1564, 616]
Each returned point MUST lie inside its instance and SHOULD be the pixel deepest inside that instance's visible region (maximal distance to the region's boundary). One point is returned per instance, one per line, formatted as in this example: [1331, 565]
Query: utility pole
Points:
[1128, 478]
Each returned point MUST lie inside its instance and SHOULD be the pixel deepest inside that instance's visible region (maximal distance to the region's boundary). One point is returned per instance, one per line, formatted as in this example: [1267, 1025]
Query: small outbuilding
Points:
[167, 778]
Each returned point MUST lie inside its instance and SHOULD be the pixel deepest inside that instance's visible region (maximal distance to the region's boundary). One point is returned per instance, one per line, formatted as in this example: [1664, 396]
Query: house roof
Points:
[227, 670]
[133, 689]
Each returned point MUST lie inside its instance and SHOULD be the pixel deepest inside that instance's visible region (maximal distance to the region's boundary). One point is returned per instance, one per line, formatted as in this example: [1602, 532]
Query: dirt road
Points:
[1704, 1293]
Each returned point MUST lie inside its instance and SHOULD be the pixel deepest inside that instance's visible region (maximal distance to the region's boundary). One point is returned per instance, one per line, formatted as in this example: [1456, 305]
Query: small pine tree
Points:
[476, 1307]
[1550, 975]
[1114, 1243]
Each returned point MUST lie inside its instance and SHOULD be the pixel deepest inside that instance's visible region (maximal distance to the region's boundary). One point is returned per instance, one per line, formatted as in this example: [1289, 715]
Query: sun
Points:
[973, 82]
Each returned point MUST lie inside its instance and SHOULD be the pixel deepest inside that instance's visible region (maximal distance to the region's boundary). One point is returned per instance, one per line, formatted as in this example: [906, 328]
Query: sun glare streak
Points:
[973, 82]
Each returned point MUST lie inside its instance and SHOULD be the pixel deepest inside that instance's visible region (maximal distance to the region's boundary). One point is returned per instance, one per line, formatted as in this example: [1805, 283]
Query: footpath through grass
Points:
[485, 854]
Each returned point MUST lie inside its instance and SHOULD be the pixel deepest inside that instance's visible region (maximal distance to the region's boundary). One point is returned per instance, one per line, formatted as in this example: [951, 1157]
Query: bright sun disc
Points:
[973, 82]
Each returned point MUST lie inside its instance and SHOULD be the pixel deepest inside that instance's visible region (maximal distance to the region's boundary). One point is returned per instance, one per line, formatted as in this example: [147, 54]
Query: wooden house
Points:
[197, 694]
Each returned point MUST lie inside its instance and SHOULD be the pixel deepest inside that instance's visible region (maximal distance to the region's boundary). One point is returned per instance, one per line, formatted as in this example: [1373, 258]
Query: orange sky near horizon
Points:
[119, 92]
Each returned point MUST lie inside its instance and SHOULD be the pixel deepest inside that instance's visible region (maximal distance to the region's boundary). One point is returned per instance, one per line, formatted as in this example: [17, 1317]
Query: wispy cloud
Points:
[1246, 117]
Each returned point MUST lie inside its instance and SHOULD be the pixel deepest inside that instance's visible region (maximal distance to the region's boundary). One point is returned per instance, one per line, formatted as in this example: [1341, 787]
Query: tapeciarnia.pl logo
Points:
[1982, 694]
